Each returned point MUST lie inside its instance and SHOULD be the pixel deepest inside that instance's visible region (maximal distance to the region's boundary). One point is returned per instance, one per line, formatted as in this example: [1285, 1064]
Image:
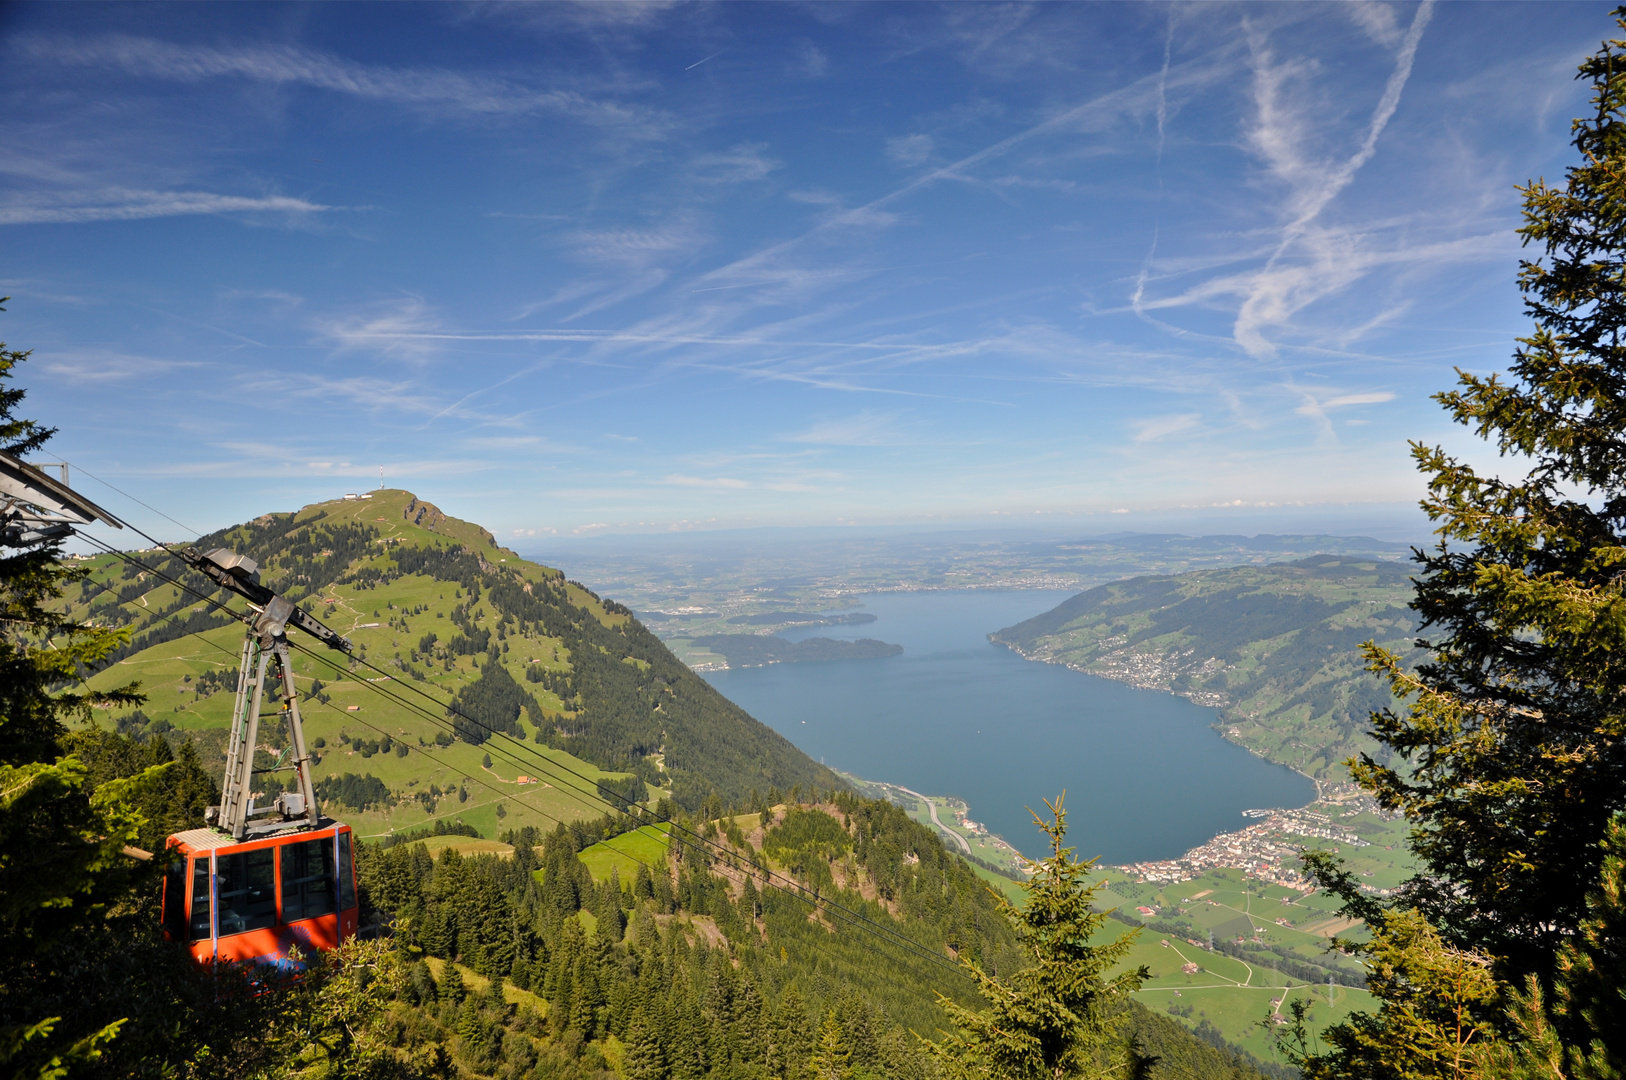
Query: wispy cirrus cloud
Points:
[1316, 407]
[1163, 426]
[108, 364]
[729, 482]
[126, 204]
[433, 89]
[1286, 284]
[403, 328]
[865, 429]
[740, 164]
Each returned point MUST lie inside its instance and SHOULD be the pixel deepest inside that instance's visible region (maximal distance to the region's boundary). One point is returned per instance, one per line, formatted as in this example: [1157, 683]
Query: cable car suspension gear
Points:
[265, 652]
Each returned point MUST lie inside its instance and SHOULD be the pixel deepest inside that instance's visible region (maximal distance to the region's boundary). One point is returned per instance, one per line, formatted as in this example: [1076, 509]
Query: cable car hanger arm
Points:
[236, 572]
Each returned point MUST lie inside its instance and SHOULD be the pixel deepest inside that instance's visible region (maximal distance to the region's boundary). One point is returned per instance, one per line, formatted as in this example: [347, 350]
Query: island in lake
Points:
[802, 618]
[757, 650]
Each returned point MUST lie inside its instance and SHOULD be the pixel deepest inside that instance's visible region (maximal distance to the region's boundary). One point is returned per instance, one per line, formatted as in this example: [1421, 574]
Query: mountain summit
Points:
[438, 604]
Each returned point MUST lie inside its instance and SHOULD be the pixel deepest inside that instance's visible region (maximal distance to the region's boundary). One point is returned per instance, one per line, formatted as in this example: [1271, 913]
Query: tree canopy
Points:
[1509, 747]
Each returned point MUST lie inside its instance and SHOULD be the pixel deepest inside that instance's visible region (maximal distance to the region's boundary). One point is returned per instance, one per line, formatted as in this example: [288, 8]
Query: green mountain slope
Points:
[648, 946]
[437, 603]
[1275, 647]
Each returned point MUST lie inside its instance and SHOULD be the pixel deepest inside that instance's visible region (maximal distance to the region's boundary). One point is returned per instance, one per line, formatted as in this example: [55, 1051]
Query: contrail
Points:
[697, 63]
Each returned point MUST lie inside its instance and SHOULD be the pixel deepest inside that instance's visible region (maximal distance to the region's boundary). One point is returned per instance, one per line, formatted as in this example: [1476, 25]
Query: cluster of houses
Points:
[1263, 850]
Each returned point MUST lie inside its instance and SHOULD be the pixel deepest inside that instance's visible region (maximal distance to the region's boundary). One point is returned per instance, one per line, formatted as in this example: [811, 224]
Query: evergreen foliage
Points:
[61, 862]
[1437, 1004]
[492, 703]
[356, 792]
[1514, 738]
[173, 800]
[1056, 1016]
[1511, 745]
[697, 973]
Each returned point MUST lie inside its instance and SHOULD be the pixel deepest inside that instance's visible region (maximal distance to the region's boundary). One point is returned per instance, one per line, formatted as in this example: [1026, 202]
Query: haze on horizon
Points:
[570, 268]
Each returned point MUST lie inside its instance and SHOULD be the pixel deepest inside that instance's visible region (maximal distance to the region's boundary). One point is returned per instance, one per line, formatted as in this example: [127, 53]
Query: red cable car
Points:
[261, 881]
[251, 902]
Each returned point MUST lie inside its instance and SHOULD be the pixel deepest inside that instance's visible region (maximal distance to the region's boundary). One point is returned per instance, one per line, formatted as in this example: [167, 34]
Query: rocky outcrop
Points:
[421, 513]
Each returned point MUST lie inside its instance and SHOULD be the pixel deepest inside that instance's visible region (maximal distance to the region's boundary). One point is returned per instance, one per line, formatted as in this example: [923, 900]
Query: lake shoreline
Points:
[1147, 776]
[1221, 727]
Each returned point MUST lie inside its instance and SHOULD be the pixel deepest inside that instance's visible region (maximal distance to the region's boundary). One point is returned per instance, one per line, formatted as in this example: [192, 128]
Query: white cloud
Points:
[427, 88]
[1377, 19]
[400, 328]
[865, 429]
[1280, 135]
[631, 247]
[1374, 398]
[743, 163]
[1316, 408]
[706, 481]
[1163, 426]
[910, 150]
[125, 204]
[107, 364]
[811, 59]
[591, 17]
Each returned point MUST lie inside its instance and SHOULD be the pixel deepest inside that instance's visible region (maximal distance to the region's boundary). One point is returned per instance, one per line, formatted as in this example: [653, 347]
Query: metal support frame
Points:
[35, 508]
[265, 654]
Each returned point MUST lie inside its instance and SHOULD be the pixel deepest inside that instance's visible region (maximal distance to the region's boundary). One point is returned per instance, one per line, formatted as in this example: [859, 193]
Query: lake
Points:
[1146, 776]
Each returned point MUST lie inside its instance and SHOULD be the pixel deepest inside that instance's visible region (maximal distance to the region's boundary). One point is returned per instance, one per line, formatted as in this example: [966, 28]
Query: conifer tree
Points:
[832, 1057]
[645, 1059]
[1512, 746]
[62, 865]
[1437, 1004]
[1056, 1016]
[1577, 1028]
[790, 1043]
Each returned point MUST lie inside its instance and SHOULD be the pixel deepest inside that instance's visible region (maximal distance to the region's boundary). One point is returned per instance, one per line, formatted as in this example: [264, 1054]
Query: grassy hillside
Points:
[1274, 647]
[437, 603]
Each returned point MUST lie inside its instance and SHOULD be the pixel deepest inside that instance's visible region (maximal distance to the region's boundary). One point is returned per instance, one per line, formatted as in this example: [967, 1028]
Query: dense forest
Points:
[691, 966]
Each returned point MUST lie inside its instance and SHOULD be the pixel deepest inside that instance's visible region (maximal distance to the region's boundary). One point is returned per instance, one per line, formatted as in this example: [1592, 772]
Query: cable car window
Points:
[307, 880]
[200, 899]
[175, 899]
[347, 879]
[248, 896]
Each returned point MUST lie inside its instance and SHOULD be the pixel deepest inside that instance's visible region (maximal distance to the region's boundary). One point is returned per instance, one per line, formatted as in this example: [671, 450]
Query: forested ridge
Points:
[689, 968]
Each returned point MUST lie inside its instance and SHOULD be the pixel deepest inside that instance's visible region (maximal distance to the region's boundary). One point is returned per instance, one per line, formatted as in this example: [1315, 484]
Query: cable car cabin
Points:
[250, 901]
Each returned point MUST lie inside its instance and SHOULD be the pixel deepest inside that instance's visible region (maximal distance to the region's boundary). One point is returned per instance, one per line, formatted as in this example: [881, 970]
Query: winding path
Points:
[932, 808]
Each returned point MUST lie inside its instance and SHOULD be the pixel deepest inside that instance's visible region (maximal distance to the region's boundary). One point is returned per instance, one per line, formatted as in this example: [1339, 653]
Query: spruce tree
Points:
[1512, 746]
[644, 1059]
[1058, 1014]
[1577, 1027]
[832, 1057]
[62, 868]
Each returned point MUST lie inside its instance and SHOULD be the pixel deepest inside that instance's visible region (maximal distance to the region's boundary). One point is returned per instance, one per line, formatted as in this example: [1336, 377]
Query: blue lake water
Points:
[1145, 775]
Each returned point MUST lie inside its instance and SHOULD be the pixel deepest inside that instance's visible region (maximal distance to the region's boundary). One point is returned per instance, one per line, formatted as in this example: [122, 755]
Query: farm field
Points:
[623, 854]
[1264, 936]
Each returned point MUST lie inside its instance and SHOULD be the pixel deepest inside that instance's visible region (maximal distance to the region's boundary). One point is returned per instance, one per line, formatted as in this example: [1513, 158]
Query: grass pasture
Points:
[623, 854]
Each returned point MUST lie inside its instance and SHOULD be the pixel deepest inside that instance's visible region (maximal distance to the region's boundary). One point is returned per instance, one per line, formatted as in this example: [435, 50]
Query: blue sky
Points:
[574, 269]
